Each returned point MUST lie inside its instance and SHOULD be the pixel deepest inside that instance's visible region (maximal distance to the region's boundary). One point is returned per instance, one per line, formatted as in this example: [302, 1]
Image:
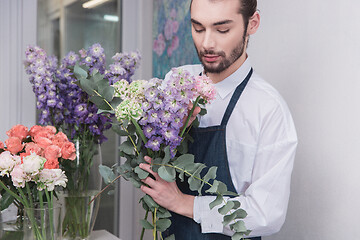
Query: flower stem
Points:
[12, 193]
[143, 229]
[189, 116]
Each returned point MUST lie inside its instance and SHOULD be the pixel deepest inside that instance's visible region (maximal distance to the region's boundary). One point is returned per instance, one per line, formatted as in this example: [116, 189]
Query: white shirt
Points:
[261, 142]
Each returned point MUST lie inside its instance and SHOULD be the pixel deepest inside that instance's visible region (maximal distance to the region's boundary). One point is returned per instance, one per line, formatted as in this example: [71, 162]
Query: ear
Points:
[254, 23]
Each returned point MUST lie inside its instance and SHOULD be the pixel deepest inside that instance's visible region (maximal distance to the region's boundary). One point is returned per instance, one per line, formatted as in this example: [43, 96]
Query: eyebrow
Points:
[214, 24]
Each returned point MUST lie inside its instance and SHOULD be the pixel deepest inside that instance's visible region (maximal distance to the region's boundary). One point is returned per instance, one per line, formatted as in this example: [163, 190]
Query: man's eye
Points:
[198, 30]
[223, 31]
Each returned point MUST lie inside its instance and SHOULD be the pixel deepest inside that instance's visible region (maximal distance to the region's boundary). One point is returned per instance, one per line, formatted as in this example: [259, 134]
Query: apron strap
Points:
[234, 99]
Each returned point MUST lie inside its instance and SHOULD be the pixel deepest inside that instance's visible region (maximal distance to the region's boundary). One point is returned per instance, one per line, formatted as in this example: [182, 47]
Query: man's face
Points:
[219, 34]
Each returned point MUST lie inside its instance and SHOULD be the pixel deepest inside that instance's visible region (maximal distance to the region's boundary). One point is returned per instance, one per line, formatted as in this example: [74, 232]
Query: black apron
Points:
[209, 147]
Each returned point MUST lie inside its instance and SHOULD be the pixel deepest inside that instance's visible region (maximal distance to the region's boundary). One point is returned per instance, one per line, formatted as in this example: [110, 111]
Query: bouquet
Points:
[29, 170]
[65, 105]
[151, 115]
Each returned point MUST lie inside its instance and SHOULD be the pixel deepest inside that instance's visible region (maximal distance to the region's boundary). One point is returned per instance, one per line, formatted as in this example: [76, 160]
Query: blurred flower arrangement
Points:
[29, 169]
[65, 105]
[152, 114]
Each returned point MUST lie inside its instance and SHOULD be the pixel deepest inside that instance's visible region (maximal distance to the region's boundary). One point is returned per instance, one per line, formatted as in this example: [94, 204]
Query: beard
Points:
[235, 54]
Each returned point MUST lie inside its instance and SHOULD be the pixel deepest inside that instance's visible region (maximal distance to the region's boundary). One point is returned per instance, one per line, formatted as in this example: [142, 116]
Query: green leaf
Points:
[167, 173]
[145, 224]
[106, 173]
[150, 202]
[163, 214]
[107, 93]
[216, 202]
[111, 192]
[202, 112]
[141, 173]
[241, 214]
[239, 227]
[238, 214]
[226, 208]
[127, 147]
[171, 237]
[214, 187]
[237, 236]
[184, 160]
[115, 102]
[167, 155]
[80, 72]
[87, 86]
[100, 102]
[6, 200]
[118, 130]
[211, 174]
[136, 183]
[194, 183]
[163, 224]
[237, 204]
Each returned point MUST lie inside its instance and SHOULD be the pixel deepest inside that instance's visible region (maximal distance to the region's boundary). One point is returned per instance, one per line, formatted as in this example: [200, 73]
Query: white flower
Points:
[18, 177]
[33, 164]
[49, 178]
[8, 162]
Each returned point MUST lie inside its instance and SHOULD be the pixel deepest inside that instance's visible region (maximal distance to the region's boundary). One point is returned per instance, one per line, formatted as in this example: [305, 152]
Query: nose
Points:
[208, 41]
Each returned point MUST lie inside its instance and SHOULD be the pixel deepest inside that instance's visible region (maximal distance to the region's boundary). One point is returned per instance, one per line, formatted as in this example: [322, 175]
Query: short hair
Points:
[247, 9]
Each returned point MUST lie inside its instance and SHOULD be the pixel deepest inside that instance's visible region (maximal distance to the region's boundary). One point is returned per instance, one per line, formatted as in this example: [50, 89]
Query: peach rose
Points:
[68, 151]
[1, 145]
[59, 139]
[51, 164]
[33, 147]
[19, 131]
[34, 130]
[52, 152]
[43, 133]
[50, 129]
[14, 145]
[42, 142]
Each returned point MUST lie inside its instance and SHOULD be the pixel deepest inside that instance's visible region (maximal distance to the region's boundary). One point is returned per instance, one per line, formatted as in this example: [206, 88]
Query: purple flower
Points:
[80, 110]
[154, 143]
[96, 50]
[149, 131]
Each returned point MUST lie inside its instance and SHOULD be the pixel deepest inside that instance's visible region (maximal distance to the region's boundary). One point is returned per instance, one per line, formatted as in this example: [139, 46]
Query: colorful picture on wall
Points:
[172, 42]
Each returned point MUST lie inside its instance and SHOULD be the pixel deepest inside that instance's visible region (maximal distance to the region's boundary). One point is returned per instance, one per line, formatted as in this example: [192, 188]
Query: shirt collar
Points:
[227, 85]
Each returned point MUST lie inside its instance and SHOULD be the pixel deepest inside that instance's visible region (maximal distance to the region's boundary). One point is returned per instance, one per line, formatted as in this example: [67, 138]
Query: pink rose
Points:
[14, 145]
[32, 147]
[68, 151]
[50, 129]
[51, 164]
[19, 131]
[34, 130]
[42, 142]
[1, 145]
[52, 152]
[59, 139]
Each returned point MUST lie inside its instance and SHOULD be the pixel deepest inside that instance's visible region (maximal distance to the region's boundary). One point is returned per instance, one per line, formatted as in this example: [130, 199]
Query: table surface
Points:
[102, 235]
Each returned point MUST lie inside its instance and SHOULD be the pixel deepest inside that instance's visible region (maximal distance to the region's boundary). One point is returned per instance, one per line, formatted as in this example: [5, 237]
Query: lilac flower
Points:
[96, 50]
[154, 143]
[149, 131]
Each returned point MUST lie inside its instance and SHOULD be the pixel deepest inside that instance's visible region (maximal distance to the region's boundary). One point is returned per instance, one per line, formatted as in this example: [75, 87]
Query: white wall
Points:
[17, 30]
[310, 51]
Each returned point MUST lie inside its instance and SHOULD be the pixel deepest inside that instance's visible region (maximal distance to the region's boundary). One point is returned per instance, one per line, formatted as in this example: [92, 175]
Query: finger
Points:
[149, 181]
[147, 159]
[196, 111]
[147, 190]
[147, 168]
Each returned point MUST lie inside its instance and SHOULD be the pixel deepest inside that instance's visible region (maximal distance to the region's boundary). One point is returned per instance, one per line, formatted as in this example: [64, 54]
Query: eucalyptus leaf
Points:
[127, 147]
[226, 208]
[87, 86]
[218, 200]
[100, 102]
[184, 160]
[141, 173]
[107, 93]
[118, 130]
[239, 227]
[115, 102]
[237, 236]
[167, 157]
[136, 183]
[106, 173]
[145, 224]
[171, 237]
[165, 214]
[150, 202]
[167, 173]
[214, 187]
[194, 184]
[80, 72]
[211, 174]
[163, 224]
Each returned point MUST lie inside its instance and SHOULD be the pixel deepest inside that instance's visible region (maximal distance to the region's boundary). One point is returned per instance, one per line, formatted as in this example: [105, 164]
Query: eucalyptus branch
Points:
[143, 229]
[96, 92]
[97, 195]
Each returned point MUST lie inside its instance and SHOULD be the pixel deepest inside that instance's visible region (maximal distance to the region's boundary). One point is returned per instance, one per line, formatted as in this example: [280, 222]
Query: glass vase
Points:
[42, 223]
[84, 182]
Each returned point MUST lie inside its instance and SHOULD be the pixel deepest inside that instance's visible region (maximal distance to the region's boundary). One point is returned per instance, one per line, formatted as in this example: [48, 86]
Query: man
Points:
[247, 132]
